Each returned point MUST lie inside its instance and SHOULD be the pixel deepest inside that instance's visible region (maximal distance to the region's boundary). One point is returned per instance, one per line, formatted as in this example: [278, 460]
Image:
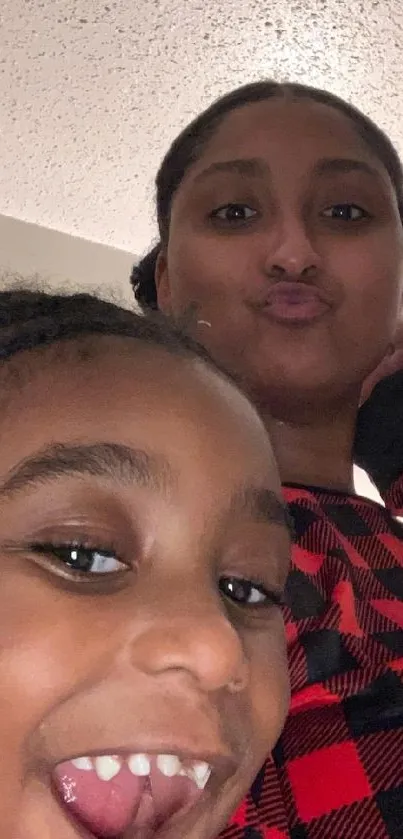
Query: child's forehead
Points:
[78, 357]
[139, 366]
[128, 388]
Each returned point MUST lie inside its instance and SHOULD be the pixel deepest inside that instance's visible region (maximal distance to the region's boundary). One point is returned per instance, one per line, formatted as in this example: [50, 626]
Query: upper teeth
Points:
[84, 763]
[108, 766]
[169, 765]
[202, 773]
[139, 765]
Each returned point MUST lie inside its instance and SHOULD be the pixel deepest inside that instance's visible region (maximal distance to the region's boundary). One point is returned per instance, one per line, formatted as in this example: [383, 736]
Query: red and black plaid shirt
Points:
[337, 771]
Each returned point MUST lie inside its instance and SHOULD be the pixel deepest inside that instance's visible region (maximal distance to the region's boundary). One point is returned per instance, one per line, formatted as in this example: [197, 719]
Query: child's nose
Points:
[198, 641]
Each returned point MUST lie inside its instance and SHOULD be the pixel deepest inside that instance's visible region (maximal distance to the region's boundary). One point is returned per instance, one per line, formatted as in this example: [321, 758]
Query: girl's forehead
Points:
[278, 127]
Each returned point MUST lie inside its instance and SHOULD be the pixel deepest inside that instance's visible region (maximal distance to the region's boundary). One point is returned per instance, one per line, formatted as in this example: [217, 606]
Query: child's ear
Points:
[162, 283]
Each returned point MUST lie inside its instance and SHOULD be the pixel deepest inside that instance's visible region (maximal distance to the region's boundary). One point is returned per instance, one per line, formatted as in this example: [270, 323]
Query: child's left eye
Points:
[247, 593]
[82, 559]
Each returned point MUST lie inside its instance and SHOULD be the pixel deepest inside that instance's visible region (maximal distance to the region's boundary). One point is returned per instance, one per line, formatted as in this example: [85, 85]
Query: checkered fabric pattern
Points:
[337, 771]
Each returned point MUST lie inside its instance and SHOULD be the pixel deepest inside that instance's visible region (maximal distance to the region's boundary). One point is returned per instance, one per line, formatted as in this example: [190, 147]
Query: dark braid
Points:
[142, 280]
[34, 319]
[190, 144]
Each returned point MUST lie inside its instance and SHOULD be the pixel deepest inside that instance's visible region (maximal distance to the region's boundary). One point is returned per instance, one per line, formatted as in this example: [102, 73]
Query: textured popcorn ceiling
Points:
[91, 92]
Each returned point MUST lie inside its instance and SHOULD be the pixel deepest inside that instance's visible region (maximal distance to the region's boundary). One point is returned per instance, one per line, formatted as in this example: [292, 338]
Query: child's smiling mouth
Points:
[135, 795]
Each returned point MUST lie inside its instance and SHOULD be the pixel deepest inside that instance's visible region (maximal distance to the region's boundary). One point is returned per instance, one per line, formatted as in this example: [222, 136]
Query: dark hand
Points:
[378, 445]
[392, 362]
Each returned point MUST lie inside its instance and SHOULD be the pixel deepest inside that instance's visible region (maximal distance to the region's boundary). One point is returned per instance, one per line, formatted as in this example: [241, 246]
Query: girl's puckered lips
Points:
[295, 303]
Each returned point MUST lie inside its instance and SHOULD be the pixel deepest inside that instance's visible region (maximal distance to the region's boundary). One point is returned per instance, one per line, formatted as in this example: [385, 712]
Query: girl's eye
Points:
[345, 212]
[82, 559]
[234, 213]
[246, 593]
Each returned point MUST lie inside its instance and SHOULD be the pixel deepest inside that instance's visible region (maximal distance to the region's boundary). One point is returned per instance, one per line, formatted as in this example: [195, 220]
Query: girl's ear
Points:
[162, 283]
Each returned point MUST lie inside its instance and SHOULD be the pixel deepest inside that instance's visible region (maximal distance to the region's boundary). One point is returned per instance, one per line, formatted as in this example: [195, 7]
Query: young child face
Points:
[143, 548]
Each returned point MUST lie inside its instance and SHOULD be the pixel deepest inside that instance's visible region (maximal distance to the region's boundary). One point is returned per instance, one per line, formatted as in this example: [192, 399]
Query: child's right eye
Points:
[80, 560]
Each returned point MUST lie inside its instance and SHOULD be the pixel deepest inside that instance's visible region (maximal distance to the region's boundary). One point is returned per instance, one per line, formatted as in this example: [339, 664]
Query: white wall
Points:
[63, 261]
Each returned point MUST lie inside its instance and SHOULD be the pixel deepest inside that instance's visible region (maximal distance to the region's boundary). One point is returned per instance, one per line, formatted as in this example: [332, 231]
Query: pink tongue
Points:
[104, 807]
[108, 808]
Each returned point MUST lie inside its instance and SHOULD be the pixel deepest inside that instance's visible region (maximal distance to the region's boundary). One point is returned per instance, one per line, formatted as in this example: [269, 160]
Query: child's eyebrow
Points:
[263, 505]
[128, 466]
[104, 460]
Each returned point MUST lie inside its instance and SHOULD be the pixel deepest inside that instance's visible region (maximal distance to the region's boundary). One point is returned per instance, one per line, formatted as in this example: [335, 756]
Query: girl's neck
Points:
[316, 451]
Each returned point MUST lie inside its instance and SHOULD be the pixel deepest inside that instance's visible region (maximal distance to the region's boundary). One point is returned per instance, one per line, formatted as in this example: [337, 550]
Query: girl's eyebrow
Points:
[117, 462]
[253, 167]
[257, 168]
[345, 166]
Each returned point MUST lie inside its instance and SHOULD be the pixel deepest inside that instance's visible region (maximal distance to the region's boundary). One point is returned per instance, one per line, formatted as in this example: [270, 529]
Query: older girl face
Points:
[285, 236]
[144, 551]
